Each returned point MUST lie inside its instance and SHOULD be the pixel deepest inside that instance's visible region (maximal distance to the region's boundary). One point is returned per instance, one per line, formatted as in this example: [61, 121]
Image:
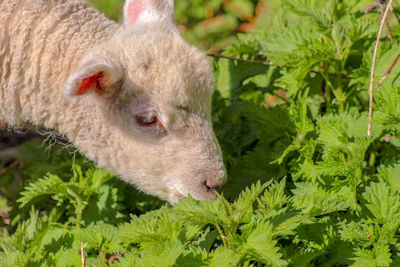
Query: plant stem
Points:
[328, 100]
[329, 87]
[372, 159]
[339, 89]
[350, 92]
[79, 208]
[371, 83]
[83, 258]
[78, 219]
[341, 107]
[102, 256]
[221, 234]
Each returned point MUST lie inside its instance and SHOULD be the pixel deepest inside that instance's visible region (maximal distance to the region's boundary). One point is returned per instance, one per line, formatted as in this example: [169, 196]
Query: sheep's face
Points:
[155, 89]
[163, 102]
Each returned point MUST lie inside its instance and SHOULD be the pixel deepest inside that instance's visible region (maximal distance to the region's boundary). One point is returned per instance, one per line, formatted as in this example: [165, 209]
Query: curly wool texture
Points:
[40, 44]
[48, 47]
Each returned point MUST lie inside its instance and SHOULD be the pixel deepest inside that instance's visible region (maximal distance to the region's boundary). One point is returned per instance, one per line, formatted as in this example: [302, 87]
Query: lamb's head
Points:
[155, 89]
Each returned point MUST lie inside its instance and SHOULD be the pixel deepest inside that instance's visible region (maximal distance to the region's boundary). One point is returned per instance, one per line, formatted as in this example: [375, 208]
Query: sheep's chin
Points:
[175, 198]
[178, 193]
[175, 192]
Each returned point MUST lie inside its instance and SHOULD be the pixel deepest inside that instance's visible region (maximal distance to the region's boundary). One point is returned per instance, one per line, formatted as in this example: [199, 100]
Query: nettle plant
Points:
[291, 115]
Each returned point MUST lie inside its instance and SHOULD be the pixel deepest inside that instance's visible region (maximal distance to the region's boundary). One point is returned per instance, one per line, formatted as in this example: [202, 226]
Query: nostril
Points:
[211, 185]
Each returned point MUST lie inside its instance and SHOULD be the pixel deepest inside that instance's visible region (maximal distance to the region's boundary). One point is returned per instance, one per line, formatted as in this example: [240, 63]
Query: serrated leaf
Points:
[378, 256]
[163, 254]
[49, 185]
[195, 257]
[151, 229]
[260, 245]
[382, 202]
[274, 197]
[223, 256]
[316, 201]
[390, 173]
[243, 206]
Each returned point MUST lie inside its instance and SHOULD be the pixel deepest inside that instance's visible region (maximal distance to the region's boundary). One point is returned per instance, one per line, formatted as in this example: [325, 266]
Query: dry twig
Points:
[374, 6]
[389, 31]
[113, 258]
[371, 7]
[371, 83]
[387, 73]
[241, 60]
[10, 167]
[239, 11]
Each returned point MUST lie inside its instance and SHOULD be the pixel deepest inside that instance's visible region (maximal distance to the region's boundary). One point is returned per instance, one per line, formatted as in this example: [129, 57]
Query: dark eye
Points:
[147, 119]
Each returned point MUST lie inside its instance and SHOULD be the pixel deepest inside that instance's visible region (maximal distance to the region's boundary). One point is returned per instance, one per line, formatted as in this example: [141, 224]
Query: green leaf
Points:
[103, 206]
[286, 220]
[274, 197]
[49, 185]
[151, 229]
[243, 206]
[378, 256]
[195, 211]
[95, 178]
[315, 201]
[382, 202]
[223, 256]
[357, 233]
[390, 173]
[231, 74]
[260, 245]
[101, 237]
[195, 257]
[162, 254]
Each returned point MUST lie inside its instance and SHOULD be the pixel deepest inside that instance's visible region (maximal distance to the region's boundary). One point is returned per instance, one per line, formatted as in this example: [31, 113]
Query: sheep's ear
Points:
[139, 11]
[94, 75]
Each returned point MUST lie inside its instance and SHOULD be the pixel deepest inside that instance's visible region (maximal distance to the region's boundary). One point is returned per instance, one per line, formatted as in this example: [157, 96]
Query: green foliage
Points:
[306, 187]
[208, 24]
[378, 256]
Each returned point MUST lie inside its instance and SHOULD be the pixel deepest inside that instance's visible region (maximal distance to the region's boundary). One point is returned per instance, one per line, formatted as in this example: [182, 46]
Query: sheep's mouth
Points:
[211, 189]
[178, 193]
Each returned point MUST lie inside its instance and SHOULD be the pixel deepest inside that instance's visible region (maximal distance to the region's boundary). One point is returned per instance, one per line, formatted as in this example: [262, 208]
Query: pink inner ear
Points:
[135, 9]
[92, 82]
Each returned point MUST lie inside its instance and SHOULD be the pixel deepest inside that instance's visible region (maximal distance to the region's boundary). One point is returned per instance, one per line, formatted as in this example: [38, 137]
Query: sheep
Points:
[133, 97]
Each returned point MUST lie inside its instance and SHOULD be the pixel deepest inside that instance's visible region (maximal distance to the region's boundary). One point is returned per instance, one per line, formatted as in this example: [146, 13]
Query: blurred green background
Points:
[210, 25]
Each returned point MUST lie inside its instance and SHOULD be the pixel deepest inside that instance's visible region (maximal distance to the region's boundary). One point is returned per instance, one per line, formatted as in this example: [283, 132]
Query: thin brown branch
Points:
[261, 6]
[239, 11]
[374, 6]
[371, 83]
[240, 59]
[11, 166]
[387, 73]
[371, 7]
[113, 258]
[389, 31]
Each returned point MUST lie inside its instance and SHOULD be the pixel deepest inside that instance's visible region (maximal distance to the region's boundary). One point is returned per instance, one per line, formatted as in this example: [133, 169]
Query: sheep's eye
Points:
[147, 119]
